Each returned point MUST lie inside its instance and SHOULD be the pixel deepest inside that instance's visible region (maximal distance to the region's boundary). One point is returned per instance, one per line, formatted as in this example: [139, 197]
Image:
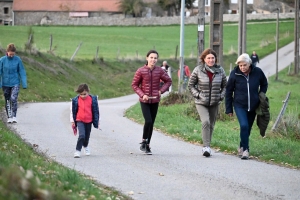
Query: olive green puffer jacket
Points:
[205, 92]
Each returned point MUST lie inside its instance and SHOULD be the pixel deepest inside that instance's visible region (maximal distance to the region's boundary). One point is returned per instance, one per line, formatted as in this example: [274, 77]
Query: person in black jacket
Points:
[245, 83]
[254, 58]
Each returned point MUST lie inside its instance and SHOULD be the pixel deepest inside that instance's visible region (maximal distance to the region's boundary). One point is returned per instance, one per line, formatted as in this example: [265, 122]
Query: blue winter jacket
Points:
[12, 72]
[95, 110]
[244, 92]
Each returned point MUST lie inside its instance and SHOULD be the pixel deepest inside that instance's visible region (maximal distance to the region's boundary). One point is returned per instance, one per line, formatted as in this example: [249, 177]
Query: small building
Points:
[6, 12]
[33, 12]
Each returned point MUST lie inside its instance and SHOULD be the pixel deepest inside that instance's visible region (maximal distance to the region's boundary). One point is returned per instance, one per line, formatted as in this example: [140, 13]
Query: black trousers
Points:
[149, 111]
[84, 130]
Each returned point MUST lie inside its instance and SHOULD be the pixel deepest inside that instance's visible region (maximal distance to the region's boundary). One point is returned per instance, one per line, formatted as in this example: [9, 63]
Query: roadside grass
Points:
[128, 43]
[277, 147]
[26, 174]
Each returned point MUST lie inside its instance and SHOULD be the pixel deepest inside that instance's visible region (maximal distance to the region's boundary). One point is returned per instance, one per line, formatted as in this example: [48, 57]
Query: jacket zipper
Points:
[247, 88]
[151, 85]
[210, 87]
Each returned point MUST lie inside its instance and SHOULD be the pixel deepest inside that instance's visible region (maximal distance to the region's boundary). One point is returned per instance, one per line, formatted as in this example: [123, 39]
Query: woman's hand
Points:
[230, 114]
[145, 98]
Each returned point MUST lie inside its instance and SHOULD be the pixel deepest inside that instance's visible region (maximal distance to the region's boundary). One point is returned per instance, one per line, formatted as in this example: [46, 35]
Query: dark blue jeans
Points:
[149, 111]
[246, 120]
[84, 130]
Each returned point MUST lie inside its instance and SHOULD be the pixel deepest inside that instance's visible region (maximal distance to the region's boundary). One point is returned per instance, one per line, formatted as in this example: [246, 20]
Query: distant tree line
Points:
[136, 8]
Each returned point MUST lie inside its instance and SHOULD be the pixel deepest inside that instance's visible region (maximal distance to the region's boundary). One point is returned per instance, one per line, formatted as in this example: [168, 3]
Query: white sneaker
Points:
[14, 120]
[77, 154]
[240, 152]
[87, 151]
[9, 120]
[206, 151]
[245, 155]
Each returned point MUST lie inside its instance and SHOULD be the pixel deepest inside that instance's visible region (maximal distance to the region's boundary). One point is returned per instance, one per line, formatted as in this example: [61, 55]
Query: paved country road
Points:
[176, 170]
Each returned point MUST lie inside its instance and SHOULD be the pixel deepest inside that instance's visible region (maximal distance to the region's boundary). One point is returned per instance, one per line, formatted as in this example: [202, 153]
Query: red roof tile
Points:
[67, 5]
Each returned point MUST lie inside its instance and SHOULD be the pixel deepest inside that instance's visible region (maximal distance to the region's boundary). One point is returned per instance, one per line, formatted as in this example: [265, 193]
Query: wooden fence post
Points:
[50, 43]
[76, 51]
[281, 113]
[176, 52]
[97, 51]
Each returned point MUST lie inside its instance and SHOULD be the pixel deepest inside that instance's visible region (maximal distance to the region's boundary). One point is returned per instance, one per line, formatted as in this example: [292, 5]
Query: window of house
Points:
[6, 10]
[207, 2]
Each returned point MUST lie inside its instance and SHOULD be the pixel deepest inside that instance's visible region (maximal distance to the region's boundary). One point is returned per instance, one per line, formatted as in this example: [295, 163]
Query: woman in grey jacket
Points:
[207, 85]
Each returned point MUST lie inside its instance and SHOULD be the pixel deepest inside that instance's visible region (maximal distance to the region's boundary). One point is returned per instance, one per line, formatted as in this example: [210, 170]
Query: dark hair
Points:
[206, 52]
[83, 87]
[11, 47]
[149, 52]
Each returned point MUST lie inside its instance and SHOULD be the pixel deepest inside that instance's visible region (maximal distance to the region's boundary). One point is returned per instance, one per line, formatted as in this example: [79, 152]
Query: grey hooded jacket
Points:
[205, 92]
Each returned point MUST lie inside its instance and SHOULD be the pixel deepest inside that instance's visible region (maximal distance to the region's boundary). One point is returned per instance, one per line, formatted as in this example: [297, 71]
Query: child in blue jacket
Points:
[84, 113]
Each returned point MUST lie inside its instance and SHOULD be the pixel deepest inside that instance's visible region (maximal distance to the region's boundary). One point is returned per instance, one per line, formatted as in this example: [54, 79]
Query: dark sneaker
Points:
[148, 150]
[143, 146]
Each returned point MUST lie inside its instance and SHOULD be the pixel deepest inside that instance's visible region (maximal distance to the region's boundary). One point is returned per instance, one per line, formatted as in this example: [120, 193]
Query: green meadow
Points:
[134, 42]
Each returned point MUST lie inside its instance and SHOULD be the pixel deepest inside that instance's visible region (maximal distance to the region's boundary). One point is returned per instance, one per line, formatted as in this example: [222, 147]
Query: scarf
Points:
[212, 69]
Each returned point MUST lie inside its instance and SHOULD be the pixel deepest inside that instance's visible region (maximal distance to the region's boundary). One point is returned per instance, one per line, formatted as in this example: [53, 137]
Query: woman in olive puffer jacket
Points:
[146, 84]
[207, 85]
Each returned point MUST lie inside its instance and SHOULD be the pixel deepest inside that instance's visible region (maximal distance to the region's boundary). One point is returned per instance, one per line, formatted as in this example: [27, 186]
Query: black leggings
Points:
[149, 112]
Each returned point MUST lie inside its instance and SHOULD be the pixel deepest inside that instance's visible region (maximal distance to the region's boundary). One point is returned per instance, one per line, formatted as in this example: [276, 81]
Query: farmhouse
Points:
[6, 12]
[28, 12]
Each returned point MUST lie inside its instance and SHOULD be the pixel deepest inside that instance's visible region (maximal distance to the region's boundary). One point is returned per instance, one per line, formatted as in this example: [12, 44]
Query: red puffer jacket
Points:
[146, 82]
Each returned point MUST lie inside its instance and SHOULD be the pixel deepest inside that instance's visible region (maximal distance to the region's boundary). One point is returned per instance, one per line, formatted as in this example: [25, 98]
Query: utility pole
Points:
[216, 28]
[181, 59]
[277, 43]
[297, 36]
[242, 26]
[201, 28]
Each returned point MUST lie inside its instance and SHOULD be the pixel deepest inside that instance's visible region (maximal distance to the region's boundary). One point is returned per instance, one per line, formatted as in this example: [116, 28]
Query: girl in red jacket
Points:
[146, 84]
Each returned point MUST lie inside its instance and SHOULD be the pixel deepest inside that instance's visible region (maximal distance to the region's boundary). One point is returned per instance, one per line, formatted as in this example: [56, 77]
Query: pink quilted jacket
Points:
[146, 82]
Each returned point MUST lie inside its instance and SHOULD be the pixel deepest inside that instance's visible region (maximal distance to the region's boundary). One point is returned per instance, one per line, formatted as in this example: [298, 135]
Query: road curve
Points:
[176, 170]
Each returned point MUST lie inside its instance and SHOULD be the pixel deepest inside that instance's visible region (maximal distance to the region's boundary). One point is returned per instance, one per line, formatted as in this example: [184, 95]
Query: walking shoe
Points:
[87, 151]
[206, 151]
[148, 151]
[143, 146]
[9, 120]
[245, 155]
[77, 154]
[240, 152]
[14, 120]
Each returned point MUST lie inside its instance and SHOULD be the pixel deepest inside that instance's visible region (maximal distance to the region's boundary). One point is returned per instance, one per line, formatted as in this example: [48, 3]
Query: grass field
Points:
[134, 42]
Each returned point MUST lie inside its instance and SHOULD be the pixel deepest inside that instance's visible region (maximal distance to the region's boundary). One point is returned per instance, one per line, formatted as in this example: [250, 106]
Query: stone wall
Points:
[62, 18]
